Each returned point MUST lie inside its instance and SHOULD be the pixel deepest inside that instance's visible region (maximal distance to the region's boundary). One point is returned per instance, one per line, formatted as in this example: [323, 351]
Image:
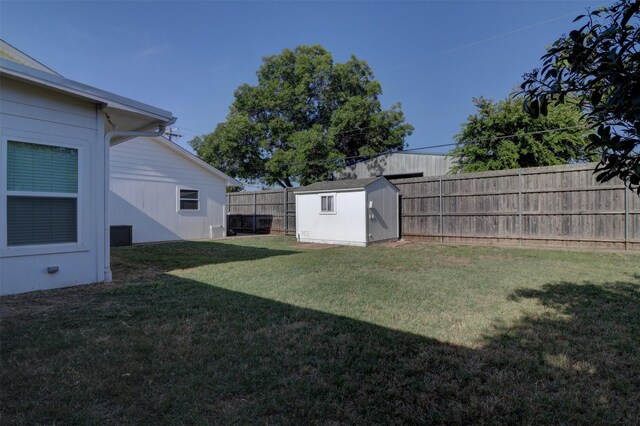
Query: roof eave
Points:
[317, 191]
[73, 88]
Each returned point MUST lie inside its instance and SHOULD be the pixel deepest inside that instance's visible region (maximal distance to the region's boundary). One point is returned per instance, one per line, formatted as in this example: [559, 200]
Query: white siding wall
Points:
[145, 177]
[383, 217]
[347, 226]
[31, 114]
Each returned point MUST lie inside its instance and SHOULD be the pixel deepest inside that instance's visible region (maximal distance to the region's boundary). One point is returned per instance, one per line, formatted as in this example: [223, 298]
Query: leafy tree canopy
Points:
[305, 110]
[482, 145]
[599, 65]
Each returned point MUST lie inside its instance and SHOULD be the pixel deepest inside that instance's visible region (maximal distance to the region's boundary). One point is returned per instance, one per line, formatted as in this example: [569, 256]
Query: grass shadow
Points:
[174, 350]
[581, 358]
[146, 261]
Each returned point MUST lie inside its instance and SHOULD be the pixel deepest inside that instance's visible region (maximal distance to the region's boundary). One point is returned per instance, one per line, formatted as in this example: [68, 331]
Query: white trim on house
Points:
[181, 188]
[37, 249]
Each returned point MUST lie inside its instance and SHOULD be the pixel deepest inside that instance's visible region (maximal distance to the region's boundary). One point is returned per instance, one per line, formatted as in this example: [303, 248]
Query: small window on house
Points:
[189, 199]
[42, 194]
[327, 204]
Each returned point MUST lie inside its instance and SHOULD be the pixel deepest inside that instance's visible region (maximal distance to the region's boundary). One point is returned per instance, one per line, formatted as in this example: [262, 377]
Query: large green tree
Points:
[599, 65]
[304, 112]
[484, 142]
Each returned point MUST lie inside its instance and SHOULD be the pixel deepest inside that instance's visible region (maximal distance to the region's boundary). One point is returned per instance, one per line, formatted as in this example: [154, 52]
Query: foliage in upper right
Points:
[485, 142]
[598, 64]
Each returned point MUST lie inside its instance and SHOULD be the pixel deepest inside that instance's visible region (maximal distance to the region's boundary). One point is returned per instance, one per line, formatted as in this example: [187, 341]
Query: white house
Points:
[55, 135]
[166, 193]
[353, 212]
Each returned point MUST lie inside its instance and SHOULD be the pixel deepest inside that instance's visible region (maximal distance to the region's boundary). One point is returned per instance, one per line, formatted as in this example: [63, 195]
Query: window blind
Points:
[41, 220]
[32, 218]
[41, 168]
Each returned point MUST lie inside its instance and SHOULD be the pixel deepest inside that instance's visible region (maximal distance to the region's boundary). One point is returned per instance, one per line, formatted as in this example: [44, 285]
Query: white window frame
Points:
[178, 199]
[335, 209]
[38, 249]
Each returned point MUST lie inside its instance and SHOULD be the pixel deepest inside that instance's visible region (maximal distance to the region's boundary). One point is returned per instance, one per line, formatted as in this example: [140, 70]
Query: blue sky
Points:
[189, 57]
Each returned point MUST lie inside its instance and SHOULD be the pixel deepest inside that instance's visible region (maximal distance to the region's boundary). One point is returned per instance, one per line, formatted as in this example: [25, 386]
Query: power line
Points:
[472, 44]
[172, 133]
[378, 154]
[462, 47]
[476, 43]
[200, 132]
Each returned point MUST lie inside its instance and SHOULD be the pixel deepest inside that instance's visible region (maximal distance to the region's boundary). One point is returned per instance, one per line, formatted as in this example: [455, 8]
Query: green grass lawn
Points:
[266, 330]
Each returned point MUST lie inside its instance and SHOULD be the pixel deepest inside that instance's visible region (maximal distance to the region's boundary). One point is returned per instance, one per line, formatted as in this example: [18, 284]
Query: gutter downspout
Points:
[107, 189]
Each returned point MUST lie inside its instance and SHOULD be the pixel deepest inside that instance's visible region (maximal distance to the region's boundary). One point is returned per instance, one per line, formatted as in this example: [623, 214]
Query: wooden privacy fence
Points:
[262, 212]
[560, 205]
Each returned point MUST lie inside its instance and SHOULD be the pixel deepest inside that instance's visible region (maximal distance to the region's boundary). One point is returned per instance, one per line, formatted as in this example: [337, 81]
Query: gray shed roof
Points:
[339, 185]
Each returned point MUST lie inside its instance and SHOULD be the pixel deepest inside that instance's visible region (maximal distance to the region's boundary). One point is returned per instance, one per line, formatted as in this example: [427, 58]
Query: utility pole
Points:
[171, 133]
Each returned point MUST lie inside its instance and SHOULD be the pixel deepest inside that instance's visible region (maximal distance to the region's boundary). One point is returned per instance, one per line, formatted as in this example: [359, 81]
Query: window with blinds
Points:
[42, 194]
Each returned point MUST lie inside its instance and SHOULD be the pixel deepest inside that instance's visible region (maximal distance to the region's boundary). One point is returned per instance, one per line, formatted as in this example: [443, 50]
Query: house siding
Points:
[145, 179]
[37, 115]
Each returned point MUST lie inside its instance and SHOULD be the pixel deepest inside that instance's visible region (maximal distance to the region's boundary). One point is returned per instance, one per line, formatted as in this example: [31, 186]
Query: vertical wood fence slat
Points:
[285, 215]
[255, 204]
[559, 206]
[520, 207]
[627, 225]
[441, 219]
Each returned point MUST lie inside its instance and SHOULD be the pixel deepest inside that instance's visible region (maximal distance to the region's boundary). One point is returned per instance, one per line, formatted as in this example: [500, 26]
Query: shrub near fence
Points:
[560, 205]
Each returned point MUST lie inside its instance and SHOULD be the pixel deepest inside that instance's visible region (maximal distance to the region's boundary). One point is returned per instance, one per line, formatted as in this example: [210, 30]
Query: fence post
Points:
[520, 185]
[399, 200]
[227, 213]
[284, 211]
[255, 196]
[626, 216]
[441, 212]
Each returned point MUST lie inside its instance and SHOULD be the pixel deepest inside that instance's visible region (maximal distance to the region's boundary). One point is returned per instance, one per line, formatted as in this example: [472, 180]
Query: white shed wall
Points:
[347, 226]
[383, 216]
[32, 114]
[145, 177]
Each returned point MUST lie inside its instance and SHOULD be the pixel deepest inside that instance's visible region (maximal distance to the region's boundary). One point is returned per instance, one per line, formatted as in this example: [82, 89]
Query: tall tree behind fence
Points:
[560, 205]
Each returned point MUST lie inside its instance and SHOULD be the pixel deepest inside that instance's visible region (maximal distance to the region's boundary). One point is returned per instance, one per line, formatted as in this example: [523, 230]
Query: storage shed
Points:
[354, 212]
